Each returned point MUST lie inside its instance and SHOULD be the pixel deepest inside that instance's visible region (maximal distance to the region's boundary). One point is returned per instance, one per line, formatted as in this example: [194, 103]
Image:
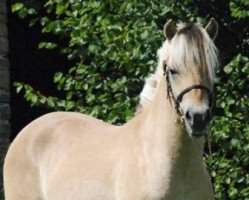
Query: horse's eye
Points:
[173, 72]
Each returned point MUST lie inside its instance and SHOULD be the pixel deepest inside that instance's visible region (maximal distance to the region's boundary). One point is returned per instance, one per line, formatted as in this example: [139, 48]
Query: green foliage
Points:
[230, 133]
[113, 46]
[111, 42]
[239, 8]
[23, 10]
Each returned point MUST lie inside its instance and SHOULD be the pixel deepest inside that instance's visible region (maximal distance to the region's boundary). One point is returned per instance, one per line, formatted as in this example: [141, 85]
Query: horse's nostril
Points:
[208, 116]
[187, 115]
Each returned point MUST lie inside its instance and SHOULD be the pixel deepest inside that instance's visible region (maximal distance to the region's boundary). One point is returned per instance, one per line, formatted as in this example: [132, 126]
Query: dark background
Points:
[29, 65]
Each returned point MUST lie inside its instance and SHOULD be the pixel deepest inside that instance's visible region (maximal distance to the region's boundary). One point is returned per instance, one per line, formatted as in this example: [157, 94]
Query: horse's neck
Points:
[168, 150]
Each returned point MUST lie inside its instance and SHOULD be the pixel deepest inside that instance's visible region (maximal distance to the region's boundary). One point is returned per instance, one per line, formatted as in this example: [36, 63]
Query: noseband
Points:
[179, 98]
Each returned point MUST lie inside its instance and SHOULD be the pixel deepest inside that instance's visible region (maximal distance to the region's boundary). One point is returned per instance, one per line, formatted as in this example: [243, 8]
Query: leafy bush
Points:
[113, 47]
[110, 43]
[229, 163]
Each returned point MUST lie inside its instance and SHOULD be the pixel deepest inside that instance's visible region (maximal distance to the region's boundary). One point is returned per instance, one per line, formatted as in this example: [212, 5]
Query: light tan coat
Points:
[70, 156]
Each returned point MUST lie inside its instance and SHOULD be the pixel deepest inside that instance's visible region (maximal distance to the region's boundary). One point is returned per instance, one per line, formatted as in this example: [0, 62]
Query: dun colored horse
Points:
[156, 155]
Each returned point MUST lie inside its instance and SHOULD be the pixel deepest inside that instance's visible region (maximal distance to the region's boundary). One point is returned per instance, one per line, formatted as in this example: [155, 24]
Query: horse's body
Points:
[70, 156]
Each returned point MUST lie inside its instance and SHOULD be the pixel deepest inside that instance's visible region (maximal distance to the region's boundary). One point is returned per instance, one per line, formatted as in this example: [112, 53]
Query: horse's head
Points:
[189, 60]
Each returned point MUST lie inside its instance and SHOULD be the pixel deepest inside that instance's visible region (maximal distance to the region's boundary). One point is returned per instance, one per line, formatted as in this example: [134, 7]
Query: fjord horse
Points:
[156, 155]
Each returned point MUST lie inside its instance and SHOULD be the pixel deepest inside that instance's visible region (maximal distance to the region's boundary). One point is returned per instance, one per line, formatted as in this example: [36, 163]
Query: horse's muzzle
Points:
[197, 121]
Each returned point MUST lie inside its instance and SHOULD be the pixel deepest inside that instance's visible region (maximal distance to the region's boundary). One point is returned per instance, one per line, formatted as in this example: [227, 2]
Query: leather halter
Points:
[179, 98]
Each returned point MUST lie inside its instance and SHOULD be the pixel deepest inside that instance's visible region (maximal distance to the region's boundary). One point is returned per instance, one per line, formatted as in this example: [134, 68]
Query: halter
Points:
[179, 98]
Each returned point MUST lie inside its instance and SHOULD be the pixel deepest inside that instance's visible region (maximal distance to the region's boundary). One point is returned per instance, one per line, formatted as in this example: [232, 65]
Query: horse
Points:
[156, 155]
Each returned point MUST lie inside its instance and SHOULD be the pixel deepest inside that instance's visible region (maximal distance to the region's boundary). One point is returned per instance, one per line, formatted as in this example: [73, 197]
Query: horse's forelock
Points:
[191, 49]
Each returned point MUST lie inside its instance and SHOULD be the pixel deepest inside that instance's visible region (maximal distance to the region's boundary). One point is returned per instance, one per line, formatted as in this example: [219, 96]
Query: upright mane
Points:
[191, 48]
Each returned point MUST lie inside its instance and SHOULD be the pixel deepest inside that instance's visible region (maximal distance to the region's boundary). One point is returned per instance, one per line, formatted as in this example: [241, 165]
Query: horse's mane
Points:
[191, 48]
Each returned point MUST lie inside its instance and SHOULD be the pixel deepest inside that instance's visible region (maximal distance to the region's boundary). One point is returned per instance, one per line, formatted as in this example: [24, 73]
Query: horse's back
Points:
[59, 129]
[55, 147]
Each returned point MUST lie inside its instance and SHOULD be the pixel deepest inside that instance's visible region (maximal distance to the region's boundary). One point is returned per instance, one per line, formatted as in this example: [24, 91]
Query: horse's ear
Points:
[212, 28]
[169, 30]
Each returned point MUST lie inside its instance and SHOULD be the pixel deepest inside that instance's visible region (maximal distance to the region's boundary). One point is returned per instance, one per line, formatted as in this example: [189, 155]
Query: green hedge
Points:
[113, 46]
